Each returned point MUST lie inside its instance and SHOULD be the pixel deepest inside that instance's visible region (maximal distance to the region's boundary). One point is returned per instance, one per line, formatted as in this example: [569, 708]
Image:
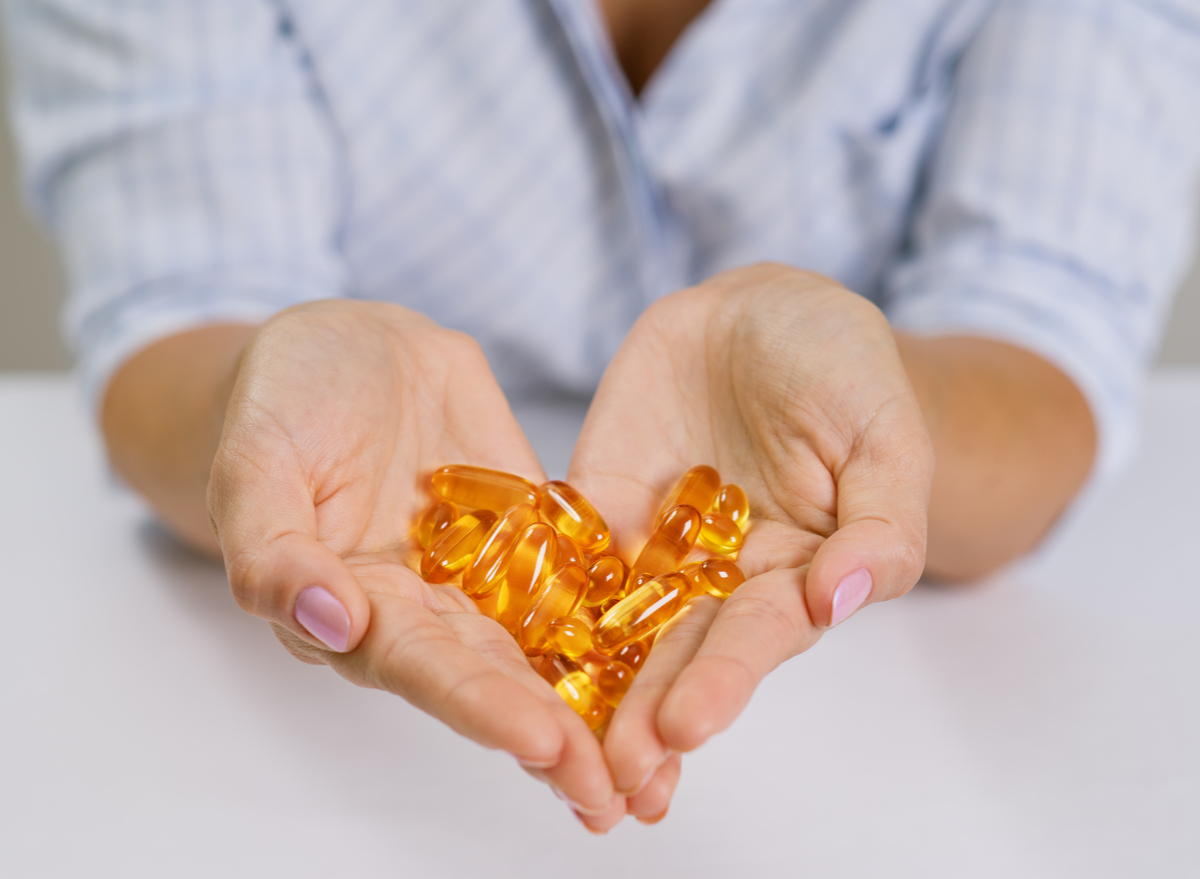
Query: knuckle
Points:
[246, 572]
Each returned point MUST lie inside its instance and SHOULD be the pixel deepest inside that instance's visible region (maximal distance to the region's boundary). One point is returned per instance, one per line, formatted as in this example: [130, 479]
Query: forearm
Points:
[1014, 441]
[162, 418]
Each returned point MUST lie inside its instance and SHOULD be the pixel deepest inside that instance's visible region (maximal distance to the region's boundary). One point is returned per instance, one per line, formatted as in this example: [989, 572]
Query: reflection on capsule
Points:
[476, 488]
[451, 552]
[636, 616]
[720, 534]
[485, 573]
[575, 688]
[697, 488]
[731, 501]
[531, 561]
[606, 576]
[434, 521]
[670, 543]
[571, 513]
[570, 637]
[559, 596]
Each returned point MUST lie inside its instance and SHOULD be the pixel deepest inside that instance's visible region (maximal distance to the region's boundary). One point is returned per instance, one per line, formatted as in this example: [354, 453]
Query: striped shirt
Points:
[1017, 169]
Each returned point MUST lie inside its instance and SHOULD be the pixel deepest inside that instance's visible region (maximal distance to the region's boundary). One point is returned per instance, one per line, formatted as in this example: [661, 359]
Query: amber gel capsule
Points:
[451, 552]
[635, 617]
[613, 681]
[606, 576]
[485, 573]
[633, 655]
[569, 552]
[731, 501]
[434, 521]
[532, 560]
[559, 596]
[570, 637]
[575, 688]
[720, 534]
[718, 577]
[475, 488]
[569, 512]
[697, 488]
[670, 543]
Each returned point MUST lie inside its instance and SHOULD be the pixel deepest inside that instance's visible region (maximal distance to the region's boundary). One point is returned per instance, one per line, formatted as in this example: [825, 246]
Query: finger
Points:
[604, 821]
[650, 805]
[466, 670]
[265, 520]
[763, 623]
[633, 744]
[878, 549]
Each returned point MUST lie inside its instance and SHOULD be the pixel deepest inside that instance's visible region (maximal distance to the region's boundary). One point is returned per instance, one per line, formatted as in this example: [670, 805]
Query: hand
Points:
[338, 412]
[792, 387]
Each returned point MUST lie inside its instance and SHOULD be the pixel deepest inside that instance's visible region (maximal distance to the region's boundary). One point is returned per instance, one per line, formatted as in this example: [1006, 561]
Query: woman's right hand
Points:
[339, 411]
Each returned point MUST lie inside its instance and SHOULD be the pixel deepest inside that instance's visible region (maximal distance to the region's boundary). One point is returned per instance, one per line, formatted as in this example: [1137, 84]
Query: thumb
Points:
[265, 520]
[878, 550]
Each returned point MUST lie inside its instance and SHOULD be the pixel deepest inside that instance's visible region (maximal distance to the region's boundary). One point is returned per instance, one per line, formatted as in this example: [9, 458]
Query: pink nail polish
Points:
[850, 595]
[324, 617]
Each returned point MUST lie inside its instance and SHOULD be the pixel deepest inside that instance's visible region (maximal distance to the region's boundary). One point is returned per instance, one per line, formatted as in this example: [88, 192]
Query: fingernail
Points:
[645, 781]
[575, 807]
[589, 828]
[535, 764]
[850, 595]
[655, 818]
[324, 617]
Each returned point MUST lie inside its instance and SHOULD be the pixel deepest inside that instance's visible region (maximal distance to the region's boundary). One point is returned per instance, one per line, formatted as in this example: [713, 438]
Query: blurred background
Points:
[31, 286]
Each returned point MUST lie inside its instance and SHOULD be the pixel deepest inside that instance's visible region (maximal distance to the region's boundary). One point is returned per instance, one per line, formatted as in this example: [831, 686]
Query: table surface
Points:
[1044, 723]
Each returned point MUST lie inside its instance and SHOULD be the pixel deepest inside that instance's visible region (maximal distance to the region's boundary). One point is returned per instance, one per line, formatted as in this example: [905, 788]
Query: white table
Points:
[1043, 724]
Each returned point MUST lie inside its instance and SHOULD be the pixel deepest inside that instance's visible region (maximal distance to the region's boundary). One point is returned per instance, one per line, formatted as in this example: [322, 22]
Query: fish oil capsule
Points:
[571, 513]
[532, 560]
[613, 681]
[575, 688]
[633, 655]
[476, 488]
[670, 543]
[719, 577]
[485, 572]
[434, 521]
[451, 552]
[731, 501]
[569, 552]
[558, 597]
[697, 488]
[570, 637]
[720, 534]
[606, 576]
[639, 614]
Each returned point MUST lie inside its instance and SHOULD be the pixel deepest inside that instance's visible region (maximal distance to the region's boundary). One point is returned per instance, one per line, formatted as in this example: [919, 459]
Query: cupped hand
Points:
[339, 412]
[791, 386]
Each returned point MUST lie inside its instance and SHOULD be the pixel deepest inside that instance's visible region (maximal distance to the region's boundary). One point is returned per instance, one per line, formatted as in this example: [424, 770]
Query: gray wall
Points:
[31, 290]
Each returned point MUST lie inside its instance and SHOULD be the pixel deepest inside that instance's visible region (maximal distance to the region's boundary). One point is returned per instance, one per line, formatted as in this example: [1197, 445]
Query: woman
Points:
[313, 245]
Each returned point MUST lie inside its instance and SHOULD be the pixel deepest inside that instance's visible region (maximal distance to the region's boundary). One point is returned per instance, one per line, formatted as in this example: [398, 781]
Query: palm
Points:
[785, 385]
[334, 425]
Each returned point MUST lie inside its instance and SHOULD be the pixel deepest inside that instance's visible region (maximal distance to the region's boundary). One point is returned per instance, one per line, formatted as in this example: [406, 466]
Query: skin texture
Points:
[318, 428]
[643, 33]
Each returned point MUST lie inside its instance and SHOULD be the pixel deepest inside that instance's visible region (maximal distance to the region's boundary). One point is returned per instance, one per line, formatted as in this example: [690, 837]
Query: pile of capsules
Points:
[536, 559]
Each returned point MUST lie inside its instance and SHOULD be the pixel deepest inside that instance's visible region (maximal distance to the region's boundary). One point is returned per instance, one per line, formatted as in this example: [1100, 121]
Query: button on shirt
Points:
[1021, 170]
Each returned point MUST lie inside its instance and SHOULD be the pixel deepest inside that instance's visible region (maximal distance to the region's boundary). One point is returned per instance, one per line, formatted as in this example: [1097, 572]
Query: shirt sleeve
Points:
[1059, 207]
[183, 158]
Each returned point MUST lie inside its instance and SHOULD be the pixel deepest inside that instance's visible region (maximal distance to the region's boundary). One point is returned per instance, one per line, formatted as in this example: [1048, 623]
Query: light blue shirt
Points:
[1018, 169]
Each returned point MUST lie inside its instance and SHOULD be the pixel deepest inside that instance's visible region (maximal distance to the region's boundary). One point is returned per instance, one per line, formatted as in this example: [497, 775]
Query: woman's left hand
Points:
[791, 386]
